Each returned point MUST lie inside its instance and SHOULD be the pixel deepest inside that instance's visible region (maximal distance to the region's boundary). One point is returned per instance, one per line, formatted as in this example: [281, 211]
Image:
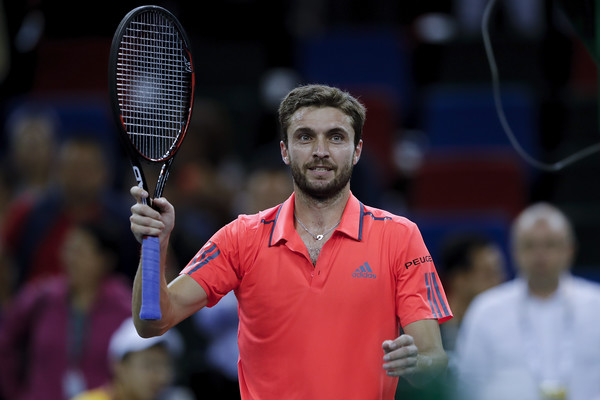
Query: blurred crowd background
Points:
[434, 149]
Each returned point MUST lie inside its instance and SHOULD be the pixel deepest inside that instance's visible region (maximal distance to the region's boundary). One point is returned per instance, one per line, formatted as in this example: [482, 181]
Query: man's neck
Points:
[320, 213]
[83, 298]
[543, 290]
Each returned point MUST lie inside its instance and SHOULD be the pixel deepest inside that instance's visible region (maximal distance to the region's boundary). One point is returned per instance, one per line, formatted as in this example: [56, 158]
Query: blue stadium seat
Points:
[459, 117]
[361, 58]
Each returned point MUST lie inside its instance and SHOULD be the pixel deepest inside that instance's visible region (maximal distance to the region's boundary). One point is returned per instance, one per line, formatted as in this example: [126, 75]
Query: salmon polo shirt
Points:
[315, 331]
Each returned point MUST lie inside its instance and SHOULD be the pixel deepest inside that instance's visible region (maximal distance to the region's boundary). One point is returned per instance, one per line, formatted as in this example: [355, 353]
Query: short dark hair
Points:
[457, 250]
[321, 96]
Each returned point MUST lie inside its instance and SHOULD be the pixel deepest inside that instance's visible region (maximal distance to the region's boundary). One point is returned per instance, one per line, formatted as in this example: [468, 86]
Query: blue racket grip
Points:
[150, 278]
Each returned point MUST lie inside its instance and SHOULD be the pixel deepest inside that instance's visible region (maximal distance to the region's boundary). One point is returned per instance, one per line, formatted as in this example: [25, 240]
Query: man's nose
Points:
[321, 148]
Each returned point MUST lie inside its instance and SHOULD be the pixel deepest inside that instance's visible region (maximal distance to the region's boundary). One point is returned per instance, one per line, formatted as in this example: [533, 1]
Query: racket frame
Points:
[133, 152]
[150, 308]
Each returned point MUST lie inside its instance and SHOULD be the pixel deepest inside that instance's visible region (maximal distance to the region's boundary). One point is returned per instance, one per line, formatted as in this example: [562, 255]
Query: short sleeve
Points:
[419, 291]
[216, 265]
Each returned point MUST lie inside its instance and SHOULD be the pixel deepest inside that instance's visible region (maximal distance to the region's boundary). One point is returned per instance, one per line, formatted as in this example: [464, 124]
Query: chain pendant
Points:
[317, 237]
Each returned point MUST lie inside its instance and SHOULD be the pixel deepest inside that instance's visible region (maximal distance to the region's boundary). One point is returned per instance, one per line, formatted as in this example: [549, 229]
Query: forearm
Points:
[148, 328]
[179, 299]
[430, 365]
[417, 354]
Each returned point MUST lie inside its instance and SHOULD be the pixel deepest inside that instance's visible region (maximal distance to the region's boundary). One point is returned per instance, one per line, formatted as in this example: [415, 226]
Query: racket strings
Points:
[153, 84]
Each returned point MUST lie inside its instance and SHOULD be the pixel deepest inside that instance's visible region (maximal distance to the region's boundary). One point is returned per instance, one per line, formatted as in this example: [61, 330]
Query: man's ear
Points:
[357, 151]
[284, 153]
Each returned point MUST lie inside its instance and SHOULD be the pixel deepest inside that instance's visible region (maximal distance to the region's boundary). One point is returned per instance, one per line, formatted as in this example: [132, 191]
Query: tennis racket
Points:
[151, 85]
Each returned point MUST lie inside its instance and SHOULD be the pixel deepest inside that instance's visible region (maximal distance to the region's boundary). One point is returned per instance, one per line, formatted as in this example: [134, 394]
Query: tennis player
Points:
[336, 299]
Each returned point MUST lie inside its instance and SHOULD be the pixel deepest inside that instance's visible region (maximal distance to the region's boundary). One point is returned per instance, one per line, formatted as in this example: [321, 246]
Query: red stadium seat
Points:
[470, 182]
[72, 66]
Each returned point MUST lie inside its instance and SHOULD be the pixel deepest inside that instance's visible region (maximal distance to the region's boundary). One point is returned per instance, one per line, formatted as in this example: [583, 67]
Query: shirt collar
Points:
[564, 284]
[350, 225]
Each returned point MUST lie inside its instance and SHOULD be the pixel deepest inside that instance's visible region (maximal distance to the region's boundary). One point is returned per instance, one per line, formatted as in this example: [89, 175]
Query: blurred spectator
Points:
[32, 145]
[33, 232]
[26, 174]
[54, 340]
[205, 177]
[471, 263]
[208, 170]
[265, 187]
[534, 337]
[142, 369]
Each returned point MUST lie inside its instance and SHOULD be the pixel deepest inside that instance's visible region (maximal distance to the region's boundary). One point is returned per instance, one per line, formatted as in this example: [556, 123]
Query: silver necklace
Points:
[317, 237]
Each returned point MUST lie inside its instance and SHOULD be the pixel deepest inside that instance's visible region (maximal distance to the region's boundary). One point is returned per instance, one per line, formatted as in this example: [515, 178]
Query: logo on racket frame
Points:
[138, 176]
[188, 65]
[140, 181]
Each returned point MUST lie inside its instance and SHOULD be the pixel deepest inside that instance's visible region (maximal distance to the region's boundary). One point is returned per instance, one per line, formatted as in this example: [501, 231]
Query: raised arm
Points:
[179, 298]
[418, 354]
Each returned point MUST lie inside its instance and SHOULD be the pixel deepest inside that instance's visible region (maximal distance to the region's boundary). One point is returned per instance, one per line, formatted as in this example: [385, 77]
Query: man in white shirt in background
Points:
[538, 336]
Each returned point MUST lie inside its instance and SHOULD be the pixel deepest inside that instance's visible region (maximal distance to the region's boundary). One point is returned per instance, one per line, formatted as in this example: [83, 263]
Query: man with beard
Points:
[336, 299]
[534, 337]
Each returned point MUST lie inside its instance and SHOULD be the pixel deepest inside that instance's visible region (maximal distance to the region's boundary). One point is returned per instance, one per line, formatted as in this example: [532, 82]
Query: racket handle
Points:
[150, 278]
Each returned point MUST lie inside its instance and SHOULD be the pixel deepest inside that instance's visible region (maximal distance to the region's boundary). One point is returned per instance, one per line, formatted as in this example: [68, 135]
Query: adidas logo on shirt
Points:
[364, 271]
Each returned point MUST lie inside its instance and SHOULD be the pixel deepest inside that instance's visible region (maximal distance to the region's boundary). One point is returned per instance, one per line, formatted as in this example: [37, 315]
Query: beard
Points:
[321, 190]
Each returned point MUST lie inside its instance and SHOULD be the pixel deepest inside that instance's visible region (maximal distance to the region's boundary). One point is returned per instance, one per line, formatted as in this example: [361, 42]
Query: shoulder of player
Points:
[393, 220]
[251, 223]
